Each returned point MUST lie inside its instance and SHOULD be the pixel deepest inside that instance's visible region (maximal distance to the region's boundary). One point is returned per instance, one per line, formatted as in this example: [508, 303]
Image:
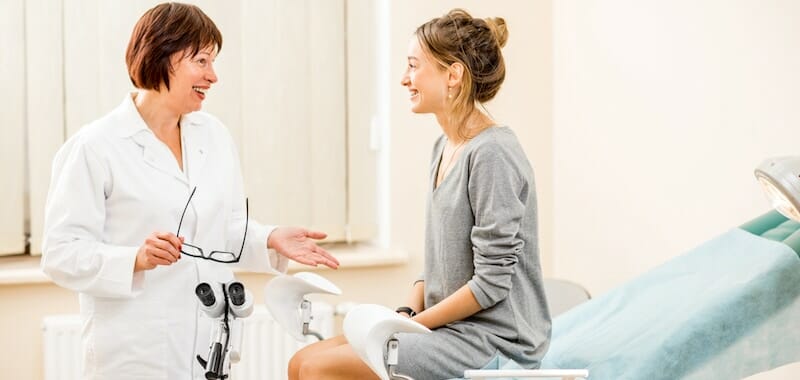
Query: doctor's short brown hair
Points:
[162, 31]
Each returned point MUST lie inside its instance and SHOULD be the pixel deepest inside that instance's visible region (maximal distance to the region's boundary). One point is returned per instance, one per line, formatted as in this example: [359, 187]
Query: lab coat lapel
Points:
[195, 145]
[156, 154]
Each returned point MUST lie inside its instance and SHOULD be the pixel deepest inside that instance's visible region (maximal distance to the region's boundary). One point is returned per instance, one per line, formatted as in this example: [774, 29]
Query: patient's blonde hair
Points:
[475, 43]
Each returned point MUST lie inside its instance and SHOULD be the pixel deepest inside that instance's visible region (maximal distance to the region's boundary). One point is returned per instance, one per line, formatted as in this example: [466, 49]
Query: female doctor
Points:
[117, 193]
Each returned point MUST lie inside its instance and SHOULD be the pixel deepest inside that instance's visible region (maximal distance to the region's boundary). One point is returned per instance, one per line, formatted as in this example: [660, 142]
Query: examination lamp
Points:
[780, 179]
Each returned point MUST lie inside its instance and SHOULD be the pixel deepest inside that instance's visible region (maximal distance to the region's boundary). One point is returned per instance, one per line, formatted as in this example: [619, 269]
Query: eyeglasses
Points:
[224, 257]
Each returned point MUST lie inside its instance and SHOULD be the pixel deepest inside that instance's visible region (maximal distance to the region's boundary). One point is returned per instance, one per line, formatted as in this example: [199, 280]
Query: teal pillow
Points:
[776, 227]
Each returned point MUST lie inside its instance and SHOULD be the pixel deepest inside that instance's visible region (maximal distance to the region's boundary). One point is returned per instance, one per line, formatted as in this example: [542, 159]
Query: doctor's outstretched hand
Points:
[296, 243]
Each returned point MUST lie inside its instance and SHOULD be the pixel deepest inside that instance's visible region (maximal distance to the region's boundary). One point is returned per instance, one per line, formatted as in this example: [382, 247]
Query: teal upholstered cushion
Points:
[776, 227]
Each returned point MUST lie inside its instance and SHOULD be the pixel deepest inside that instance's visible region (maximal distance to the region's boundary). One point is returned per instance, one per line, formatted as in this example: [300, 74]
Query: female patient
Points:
[481, 291]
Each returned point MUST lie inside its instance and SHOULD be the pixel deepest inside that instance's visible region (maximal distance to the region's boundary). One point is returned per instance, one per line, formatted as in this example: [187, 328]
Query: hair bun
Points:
[498, 27]
[476, 43]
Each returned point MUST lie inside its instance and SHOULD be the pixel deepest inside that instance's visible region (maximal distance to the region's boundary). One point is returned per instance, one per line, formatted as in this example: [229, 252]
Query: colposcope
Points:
[227, 303]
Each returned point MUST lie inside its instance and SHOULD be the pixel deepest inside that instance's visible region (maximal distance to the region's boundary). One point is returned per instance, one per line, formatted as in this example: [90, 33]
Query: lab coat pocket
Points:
[134, 346]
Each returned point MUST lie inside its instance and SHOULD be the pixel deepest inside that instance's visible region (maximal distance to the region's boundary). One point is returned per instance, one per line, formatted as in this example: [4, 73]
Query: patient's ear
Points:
[455, 74]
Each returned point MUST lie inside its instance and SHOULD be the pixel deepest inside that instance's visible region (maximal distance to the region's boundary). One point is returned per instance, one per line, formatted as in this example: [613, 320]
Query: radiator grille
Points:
[266, 348]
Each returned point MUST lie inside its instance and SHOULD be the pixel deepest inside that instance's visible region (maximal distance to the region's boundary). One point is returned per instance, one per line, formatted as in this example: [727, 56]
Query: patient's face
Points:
[425, 79]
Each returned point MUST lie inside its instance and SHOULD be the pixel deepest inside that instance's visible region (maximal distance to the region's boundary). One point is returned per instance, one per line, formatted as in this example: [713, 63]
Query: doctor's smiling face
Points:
[191, 78]
[171, 53]
[426, 80]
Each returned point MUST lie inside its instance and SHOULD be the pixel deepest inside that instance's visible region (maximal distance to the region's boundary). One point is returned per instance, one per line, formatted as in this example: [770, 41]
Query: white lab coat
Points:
[114, 183]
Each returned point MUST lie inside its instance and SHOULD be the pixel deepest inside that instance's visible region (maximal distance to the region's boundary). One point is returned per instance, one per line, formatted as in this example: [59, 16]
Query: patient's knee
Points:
[295, 363]
[310, 369]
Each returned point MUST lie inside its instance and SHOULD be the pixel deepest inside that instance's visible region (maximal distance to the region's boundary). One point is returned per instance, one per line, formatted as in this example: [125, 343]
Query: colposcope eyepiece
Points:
[206, 294]
[236, 293]
[240, 300]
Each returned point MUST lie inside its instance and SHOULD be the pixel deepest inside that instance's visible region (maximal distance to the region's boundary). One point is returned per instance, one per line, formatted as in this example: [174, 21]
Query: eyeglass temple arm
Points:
[246, 222]
[178, 233]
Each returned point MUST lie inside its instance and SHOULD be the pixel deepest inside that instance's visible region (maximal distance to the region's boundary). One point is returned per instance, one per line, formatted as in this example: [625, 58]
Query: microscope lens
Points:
[205, 294]
[236, 292]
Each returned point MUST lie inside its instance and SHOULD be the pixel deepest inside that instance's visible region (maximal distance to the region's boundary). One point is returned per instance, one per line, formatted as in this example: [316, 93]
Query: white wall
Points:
[662, 110]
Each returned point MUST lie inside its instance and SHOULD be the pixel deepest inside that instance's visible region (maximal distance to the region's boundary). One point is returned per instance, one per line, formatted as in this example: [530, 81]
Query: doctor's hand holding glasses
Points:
[295, 243]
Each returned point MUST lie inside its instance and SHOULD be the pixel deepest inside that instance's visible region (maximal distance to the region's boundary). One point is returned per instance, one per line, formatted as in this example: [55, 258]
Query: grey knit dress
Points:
[481, 230]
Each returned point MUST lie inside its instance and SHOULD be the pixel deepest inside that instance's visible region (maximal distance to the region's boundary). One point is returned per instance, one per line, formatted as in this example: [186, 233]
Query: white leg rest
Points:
[566, 374]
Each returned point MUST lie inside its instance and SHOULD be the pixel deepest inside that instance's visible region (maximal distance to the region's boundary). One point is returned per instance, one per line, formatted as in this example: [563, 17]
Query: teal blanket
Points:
[728, 309]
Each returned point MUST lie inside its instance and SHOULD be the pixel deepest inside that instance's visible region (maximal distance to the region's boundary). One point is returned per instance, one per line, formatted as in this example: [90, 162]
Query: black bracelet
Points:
[407, 310]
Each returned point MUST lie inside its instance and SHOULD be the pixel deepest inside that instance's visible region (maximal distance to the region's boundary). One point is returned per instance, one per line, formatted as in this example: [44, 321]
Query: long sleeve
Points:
[74, 255]
[496, 193]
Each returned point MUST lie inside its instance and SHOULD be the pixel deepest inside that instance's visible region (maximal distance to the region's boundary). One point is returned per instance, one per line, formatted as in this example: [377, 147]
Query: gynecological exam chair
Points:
[726, 309]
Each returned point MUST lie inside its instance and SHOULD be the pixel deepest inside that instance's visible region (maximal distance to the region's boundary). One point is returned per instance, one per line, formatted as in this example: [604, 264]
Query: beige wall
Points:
[23, 307]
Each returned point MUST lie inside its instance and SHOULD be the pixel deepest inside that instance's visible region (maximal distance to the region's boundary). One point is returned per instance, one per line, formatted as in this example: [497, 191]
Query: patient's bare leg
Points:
[334, 363]
[310, 352]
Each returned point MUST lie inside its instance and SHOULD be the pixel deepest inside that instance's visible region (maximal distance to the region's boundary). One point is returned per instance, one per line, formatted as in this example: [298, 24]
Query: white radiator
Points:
[266, 348]
[62, 347]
